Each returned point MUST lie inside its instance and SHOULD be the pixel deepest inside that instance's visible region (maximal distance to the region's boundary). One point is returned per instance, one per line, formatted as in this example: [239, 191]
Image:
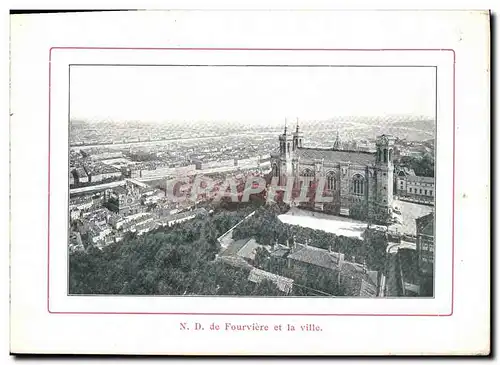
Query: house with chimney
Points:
[304, 260]
[312, 267]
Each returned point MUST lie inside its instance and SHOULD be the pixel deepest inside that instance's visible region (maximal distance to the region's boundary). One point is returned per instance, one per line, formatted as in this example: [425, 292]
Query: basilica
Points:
[359, 184]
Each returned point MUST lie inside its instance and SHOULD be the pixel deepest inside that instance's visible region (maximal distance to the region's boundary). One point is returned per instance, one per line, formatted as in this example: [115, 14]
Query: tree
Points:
[169, 261]
[375, 248]
[423, 166]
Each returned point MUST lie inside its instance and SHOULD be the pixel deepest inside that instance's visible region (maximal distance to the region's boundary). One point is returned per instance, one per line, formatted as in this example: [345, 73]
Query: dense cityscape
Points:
[127, 236]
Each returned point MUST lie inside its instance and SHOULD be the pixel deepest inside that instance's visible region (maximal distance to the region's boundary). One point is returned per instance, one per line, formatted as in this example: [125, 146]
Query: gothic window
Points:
[385, 154]
[390, 155]
[308, 177]
[275, 170]
[331, 181]
[358, 185]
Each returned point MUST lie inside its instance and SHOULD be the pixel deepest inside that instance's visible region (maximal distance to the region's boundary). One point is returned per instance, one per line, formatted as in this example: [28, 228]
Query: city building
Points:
[410, 281]
[161, 172]
[129, 222]
[75, 214]
[416, 266]
[400, 176]
[301, 256]
[100, 172]
[358, 182]
[126, 199]
[355, 278]
[425, 252]
[245, 249]
[420, 188]
[412, 187]
[107, 155]
[425, 242]
[182, 217]
[282, 283]
[81, 203]
[81, 176]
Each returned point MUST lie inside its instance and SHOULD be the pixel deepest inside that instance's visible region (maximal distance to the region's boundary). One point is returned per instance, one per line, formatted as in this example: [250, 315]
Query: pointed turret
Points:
[298, 137]
[337, 143]
[286, 141]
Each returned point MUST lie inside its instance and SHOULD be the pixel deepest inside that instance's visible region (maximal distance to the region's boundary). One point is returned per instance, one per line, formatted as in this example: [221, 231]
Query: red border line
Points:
[255, 49]
[260, 314]
[48, 189]
[453, 200]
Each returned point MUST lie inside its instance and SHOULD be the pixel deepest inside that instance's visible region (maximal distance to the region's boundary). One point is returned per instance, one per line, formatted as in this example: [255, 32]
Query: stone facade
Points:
[360, 183]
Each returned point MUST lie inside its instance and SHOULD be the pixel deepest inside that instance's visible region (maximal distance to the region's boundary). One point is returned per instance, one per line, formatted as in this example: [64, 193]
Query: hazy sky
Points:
[249, 94]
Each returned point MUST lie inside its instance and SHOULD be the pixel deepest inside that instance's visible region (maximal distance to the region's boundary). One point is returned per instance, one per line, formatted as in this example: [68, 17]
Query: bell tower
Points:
[385, 172]
[298, 137]
[287, 140]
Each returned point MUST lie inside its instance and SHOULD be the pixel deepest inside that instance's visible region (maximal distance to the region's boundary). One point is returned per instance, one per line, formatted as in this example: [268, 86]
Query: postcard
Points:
[250, 183]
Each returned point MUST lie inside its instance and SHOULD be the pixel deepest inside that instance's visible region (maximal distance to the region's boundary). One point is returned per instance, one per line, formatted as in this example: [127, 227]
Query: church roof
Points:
[331, 155]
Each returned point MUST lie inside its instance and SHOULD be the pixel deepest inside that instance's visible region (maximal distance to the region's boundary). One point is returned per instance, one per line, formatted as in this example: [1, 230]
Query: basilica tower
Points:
[385, 170]
[298, 137]
[287, 148]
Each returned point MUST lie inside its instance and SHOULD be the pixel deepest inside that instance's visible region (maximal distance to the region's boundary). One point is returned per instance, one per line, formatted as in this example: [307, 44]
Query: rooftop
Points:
[425, 224]
[234, 261]
[406, 171]
[316, 256]
[235, 247]
[249, 250]
[357, 281]
[331, 155]
[284, 284]
[367, 289]
[280, 251]
[81, 172]
[425, 179]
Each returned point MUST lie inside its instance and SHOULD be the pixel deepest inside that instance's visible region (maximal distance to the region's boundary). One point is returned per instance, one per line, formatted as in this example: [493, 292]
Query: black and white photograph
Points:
[196, 182]
[252, 180]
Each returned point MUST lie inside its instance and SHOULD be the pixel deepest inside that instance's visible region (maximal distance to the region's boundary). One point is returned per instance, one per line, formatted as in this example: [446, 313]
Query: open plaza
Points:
[348, 227]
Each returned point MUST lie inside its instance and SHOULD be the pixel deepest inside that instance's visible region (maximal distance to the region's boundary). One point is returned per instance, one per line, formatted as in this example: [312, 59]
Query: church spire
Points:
[297, 129]
[285, 127]
[336, 144]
